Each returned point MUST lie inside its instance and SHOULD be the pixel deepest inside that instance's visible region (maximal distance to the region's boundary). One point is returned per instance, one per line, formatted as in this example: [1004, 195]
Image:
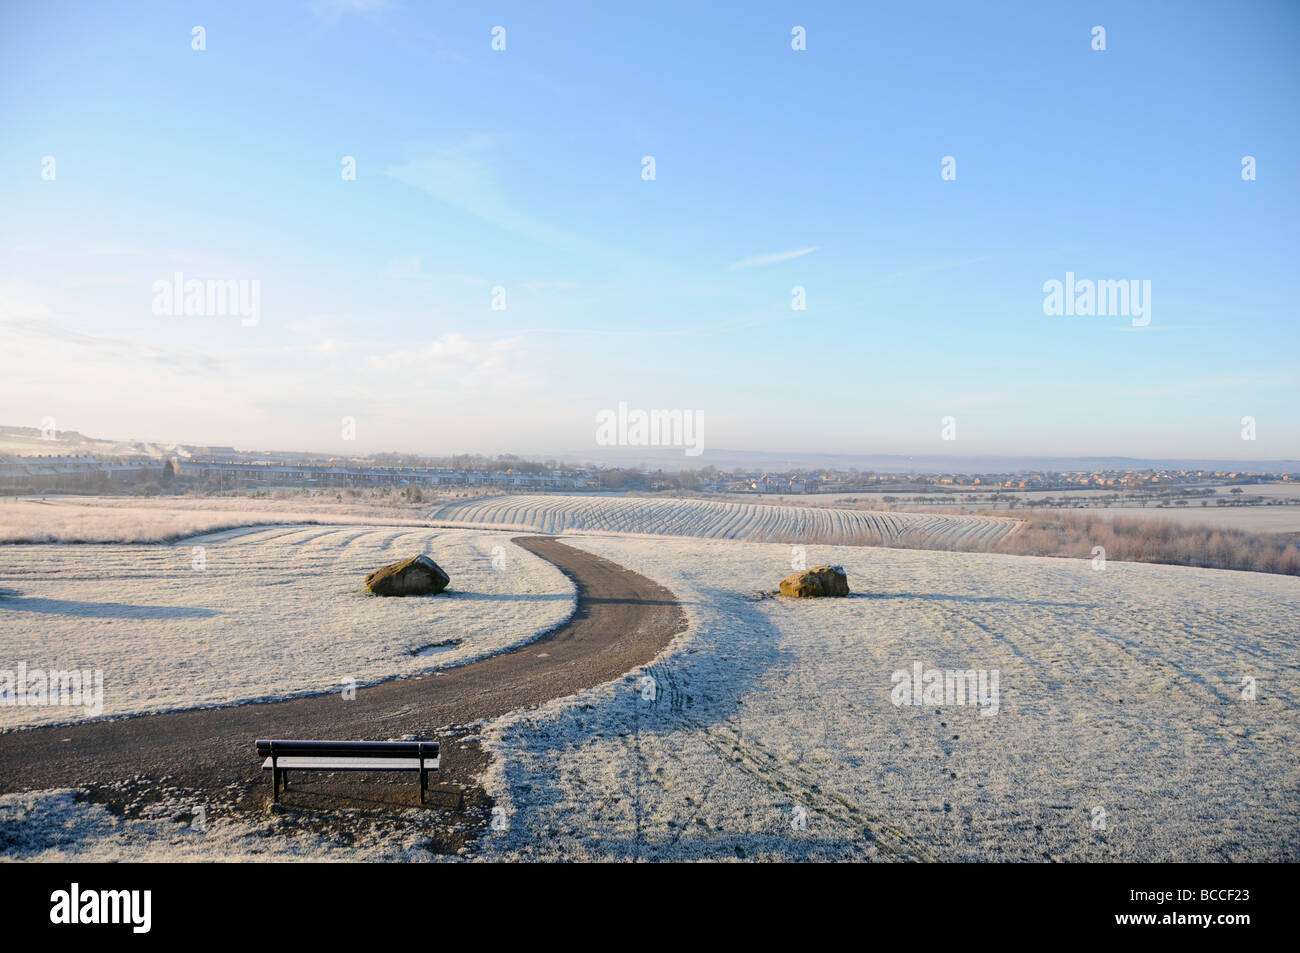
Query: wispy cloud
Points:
[1146, 328]
[334, 9]
[451, 354]
[466, 178]
[759, 260]
[59, 339]
[21, 300]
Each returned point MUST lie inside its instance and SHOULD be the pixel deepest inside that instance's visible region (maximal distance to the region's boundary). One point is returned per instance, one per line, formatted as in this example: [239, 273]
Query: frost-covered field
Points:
[767, 730]
[107, 519]
[771, 732]
[61, 825]
[58, 826]
[715, 519]
[274, 611]
[1282, 517]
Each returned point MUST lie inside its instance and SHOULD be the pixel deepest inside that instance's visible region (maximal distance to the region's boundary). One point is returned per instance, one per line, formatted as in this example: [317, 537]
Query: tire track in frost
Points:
[790, 779]
[772, 770]
[1140, 664]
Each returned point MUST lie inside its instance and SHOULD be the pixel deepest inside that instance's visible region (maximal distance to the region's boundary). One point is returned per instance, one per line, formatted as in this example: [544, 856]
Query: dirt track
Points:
[622, 620]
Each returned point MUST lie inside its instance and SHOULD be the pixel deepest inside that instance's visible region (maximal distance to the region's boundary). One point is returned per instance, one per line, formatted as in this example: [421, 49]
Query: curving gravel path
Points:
[623, 620]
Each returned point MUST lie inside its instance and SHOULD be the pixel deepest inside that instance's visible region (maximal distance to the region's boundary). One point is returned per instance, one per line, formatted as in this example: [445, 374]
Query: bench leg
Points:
[423, 784]
[275, 784]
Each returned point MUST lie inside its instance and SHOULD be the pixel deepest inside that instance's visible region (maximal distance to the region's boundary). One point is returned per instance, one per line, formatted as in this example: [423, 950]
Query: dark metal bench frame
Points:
[348, 756]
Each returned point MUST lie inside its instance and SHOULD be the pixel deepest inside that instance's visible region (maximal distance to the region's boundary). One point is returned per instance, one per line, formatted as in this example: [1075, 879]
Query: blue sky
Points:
[521, 169]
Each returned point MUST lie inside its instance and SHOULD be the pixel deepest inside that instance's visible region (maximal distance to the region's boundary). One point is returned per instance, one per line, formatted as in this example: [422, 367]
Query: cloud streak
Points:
[772, 259]
[465, 177]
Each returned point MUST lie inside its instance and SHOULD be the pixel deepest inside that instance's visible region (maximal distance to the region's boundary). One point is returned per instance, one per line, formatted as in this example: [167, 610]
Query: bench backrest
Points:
[348, 749]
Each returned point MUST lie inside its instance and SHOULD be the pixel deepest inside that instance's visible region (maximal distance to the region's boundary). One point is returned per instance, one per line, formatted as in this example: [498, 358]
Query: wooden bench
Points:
[285, 756]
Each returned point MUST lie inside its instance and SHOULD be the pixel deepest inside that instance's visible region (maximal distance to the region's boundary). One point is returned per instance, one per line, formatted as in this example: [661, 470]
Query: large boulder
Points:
[417, 576]
[818, 581]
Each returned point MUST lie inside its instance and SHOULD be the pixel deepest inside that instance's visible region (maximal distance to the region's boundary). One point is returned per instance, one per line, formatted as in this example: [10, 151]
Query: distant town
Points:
[225, 469]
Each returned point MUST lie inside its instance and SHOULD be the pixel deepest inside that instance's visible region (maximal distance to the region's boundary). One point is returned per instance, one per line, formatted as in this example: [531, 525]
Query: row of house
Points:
[772, 483]
[271, 473]
[56, 472]
[85, 473]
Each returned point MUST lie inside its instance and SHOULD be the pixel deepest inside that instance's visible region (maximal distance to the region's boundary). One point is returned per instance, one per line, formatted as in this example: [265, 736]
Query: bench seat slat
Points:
[351, 764]
[349, 749]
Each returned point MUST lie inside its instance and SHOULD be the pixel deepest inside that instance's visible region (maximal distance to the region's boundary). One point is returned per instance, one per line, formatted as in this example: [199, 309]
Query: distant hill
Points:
[755, 460]
[29, 441]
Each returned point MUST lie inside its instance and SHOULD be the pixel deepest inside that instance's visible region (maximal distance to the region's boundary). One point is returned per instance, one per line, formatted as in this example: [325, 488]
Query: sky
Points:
[516, 177]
